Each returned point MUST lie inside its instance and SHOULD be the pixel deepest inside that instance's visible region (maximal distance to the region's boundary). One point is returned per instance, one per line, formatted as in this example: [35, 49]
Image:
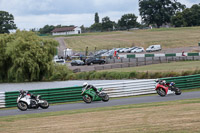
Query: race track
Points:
[112, 102]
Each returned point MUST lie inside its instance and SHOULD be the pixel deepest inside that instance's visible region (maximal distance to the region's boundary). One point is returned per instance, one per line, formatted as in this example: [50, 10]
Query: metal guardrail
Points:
[185, 82]
[128, 88]
[118, 89]
[57, 95]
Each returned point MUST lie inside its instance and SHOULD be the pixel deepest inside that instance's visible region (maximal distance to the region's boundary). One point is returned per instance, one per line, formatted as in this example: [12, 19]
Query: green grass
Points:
[118, 107]
[164, 67]
[167, 37]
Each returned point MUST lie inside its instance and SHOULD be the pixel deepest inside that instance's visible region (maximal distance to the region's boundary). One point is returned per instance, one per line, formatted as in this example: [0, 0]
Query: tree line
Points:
[26, 57]
[152, 12]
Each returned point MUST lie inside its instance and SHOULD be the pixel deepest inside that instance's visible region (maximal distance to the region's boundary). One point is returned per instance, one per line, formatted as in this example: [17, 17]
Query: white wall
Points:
[77, 30]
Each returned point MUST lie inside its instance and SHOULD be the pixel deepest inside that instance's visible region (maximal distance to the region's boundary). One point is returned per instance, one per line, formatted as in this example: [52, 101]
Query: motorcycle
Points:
[162, 88]
[90, 95]
[25, 102]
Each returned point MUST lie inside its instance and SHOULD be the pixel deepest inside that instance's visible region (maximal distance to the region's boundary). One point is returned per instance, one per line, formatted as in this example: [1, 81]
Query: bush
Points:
[61, 72]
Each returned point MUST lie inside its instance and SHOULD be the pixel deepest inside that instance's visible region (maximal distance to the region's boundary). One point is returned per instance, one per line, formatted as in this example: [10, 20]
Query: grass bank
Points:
[174, 116]
[167, 37]
[164, 67]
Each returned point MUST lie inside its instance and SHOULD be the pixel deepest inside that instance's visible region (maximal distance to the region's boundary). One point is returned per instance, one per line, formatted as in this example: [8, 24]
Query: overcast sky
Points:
[37, 13]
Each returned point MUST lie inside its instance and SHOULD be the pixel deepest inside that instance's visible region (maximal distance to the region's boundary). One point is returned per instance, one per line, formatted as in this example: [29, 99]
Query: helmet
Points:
[164, 81]
[157, 80]
[22, 91]
[85, 84]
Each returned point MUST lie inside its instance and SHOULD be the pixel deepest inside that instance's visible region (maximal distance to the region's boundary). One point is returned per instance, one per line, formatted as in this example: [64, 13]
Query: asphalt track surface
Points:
[112, 102]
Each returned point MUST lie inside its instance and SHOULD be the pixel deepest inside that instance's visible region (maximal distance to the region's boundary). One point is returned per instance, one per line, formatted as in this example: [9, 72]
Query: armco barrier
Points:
[119, 89]
[2, 99]
[128, 88]
[158, 55]
[54, 95]
[186, 82]
[57, 95]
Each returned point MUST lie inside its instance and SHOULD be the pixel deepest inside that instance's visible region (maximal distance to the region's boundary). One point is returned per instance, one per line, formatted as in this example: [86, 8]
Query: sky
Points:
[30, 14]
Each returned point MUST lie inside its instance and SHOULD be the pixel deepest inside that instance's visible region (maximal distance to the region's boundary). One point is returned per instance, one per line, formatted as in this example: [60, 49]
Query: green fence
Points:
[185, 82]
[55, 95]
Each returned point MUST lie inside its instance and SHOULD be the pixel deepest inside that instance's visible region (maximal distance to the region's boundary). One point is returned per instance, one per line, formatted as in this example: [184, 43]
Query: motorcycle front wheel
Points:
[105, 98]
[44, 105]
[161, 92]
[87, 99]
[22, 106]
[178, 91]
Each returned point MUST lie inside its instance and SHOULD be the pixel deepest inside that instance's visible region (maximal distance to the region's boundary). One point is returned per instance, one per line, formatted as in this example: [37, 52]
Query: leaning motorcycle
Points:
[25, 102]
[90, 95]
[162, 88]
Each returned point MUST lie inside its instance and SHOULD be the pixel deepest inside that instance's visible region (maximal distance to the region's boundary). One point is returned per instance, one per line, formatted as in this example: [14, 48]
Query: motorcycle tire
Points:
[44, 105]
[105, 98]
[161, 92]
[87, 99]
[178, 91]
[22, 106]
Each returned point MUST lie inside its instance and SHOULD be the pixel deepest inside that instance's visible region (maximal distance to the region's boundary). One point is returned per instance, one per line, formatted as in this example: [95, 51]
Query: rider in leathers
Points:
[88, 86]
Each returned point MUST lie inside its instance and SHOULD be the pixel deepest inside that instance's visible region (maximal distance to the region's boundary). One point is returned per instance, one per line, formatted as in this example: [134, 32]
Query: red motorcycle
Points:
[162, 88]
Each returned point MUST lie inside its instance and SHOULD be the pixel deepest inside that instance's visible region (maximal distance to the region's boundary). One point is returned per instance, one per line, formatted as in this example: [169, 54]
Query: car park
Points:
[94, 60]
[137, 50]
[77, 63]
[153, 48]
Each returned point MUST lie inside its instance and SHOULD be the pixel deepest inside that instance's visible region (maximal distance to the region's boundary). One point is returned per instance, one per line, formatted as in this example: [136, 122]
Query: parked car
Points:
[153, 48]
[59, 60]
[137, 50]
[129, 50]
[123, 50]
[90, 61]
[77, 63]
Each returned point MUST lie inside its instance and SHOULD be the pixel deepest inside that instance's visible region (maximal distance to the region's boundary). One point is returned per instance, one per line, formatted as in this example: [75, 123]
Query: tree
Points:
[47, 29]
[128, 21]
[96, 27]
[188, 17]
[6, 22]
[158, 12]
[96, 18]
[26, 56]
[178, 20]
[107, 24]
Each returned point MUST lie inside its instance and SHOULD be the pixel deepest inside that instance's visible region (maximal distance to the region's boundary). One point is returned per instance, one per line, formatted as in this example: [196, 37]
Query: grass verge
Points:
[172, 116]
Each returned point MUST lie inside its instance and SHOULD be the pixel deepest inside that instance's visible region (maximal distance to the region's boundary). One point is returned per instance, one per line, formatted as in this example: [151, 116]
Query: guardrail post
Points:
[152, 60]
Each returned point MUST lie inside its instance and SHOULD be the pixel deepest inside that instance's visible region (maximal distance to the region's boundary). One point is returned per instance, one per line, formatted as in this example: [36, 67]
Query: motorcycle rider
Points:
[27, 93]
[88, 86]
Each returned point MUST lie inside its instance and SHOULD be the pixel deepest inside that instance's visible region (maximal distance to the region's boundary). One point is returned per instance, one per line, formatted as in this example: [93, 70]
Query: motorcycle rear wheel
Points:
[22, 106]
[178, 91]
[161, 92]
[105, 98]
[44, 105]
[87, 99]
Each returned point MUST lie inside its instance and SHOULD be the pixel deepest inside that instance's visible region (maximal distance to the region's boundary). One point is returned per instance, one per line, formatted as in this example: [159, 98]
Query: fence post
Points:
[160, 59]
[145, 61]
[136, 61]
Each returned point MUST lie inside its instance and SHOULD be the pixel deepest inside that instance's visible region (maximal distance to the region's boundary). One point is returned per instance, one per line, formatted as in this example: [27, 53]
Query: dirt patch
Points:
[168, 118]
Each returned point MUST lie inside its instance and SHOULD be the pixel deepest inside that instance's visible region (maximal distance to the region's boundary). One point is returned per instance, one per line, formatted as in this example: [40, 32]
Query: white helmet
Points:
[85, 84]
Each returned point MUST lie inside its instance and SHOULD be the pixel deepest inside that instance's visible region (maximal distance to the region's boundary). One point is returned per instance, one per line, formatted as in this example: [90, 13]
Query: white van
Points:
[153, 48]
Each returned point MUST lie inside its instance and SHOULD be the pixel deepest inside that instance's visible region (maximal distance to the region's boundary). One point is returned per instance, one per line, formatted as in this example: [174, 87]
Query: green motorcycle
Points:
[90, 95]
